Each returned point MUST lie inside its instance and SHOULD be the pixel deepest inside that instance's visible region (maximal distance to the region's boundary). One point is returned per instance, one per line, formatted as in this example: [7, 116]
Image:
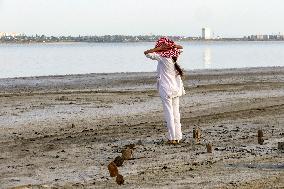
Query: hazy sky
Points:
[227, 18]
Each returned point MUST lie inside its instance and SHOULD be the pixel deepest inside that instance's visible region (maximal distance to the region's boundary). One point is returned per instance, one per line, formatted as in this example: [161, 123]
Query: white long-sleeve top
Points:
[169, 83]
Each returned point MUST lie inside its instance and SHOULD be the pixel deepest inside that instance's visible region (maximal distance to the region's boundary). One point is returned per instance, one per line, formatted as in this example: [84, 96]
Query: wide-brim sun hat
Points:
[172, 52]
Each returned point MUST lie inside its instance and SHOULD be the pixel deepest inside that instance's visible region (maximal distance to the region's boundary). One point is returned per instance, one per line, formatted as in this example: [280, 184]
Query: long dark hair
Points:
[177, 67]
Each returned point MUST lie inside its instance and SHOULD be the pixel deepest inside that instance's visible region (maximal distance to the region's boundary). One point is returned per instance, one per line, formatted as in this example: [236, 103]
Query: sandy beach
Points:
[63, 131]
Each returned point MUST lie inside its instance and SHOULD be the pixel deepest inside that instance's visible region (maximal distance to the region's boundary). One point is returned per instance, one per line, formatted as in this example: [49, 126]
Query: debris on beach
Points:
[119, 179]
[260, 137]
[209, 148]
[118, 161]
[112, 168]
[197, 135]
[127, 154]
[281, 146]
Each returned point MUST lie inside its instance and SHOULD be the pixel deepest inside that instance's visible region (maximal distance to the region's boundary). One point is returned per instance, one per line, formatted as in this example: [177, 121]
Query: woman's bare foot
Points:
[172, 142]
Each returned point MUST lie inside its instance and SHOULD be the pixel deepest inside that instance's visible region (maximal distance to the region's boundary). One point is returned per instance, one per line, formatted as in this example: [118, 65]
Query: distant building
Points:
[271, 37]
[259, 37]
[13, 34]
[2, 34]
[266, 37]
[206, 33]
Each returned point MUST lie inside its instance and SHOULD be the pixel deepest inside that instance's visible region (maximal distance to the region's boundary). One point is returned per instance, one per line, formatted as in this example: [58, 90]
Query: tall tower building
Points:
[206, 33]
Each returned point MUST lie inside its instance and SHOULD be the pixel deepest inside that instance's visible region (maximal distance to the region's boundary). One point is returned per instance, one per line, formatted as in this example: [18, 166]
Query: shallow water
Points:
[19, 60]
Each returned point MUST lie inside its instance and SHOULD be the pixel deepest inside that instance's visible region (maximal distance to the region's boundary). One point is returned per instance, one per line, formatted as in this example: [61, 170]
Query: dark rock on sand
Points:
[119, 179]
[112, 168]
[118, 161]
[209, 148]
[127, 154]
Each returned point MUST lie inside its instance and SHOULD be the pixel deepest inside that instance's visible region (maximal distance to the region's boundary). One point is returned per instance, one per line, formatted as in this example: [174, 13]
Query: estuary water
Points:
[21, 60]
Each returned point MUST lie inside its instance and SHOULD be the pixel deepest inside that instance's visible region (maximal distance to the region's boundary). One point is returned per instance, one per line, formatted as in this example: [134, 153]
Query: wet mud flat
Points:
[63, 131]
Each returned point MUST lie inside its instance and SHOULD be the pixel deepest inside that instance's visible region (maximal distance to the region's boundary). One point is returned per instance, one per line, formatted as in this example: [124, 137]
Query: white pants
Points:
[172, 116]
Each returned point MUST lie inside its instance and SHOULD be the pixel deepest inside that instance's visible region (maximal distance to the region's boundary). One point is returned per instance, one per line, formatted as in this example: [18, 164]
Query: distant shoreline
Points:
[128, 38]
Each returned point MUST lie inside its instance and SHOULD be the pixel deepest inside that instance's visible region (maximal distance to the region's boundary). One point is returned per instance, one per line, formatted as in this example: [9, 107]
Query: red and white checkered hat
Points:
[173, 52]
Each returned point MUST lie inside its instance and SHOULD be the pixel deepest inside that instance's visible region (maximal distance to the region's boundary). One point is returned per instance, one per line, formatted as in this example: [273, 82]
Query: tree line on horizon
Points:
[110, 39]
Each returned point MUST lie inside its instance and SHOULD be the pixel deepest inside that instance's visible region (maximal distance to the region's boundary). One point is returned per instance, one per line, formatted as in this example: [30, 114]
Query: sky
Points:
[226, 18]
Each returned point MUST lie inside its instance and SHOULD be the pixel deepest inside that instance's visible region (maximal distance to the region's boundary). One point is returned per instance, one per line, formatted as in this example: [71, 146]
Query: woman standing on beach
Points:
[169, 84]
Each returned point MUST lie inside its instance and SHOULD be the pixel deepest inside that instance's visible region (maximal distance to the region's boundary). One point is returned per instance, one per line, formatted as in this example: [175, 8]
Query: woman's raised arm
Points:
[157, 49]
